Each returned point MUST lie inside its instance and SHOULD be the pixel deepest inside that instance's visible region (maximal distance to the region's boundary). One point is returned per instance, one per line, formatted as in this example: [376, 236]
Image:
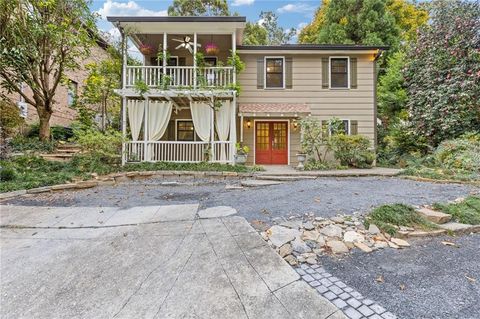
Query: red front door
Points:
[271, 143]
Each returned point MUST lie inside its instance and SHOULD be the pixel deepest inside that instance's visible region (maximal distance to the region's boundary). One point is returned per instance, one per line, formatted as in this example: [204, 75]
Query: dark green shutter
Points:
[325, 71]
[353, 127]
[288, 72]
[353, 73]
[260, 73]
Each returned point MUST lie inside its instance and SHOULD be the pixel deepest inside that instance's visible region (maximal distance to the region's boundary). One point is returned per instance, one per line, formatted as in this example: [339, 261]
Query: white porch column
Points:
[233, 129]
[145, 130]
[124, 129]
[195, 60]
[164, 61]
[124, 60]
[212, 131]
[234, 50]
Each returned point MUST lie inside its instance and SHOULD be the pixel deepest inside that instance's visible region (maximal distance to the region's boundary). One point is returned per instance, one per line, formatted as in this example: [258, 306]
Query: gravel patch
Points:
[429, 280]
[324, 196]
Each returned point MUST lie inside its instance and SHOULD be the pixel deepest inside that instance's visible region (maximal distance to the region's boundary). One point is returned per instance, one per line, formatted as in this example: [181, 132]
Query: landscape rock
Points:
[331, 231]
[381, 244]
[311, 261]
[300, 246]
[338, 219]
[291, 260]
[280, 235]
[399, 242]
[373, 229]
[310, 235]
[285, 250]
[363, 247]
[393, 245]
[321, 241]
[353, 236]
[294, 224]
[308, 225]
[434, 216]
[337, 247]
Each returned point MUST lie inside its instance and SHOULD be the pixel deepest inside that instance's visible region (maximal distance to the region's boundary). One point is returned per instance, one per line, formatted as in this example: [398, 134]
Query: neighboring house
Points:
[279, 86]
[65, 95]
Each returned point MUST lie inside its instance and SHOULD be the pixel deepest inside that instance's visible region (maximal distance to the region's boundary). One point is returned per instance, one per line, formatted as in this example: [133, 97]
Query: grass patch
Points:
[389, 217]
[466, 212]
[27, 172]
[441, 173]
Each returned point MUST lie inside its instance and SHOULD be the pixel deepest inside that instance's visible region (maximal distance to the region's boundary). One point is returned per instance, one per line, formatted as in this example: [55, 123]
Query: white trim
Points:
[255, 137]
[330, 72]
[176, 129]
[265, 73]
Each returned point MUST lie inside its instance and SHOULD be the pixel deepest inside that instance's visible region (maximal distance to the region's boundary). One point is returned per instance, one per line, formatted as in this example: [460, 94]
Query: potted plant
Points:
[242, 153]
[146, 49]
[301, 157]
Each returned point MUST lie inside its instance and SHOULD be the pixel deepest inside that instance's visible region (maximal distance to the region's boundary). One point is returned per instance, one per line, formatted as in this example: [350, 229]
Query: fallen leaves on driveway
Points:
[380, 279]
[470, 279]
[449, 243]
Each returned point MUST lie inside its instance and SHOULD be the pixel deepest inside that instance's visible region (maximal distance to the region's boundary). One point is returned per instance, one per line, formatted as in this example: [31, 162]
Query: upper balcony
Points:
[181, 52]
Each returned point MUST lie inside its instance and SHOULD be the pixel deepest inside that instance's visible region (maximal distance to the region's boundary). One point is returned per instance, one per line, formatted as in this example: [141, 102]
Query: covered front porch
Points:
[184, 128]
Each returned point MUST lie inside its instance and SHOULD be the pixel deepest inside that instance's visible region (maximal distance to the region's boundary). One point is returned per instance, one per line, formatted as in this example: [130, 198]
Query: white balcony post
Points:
[212, 131]
[164, 61]
[195, 60]
[124, 60]
[234, 50]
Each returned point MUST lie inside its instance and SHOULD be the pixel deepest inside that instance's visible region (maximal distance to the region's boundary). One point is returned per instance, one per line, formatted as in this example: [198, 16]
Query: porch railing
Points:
[179, 152]
[179, 76]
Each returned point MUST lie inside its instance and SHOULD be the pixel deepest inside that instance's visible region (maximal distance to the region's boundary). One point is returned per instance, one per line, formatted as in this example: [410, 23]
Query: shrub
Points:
[389, 217]
[106, 146]
[466, 212]
[10, 118]
[352, 150]
[57, 132]
[24, 144]
[461, 153]
[7, 174]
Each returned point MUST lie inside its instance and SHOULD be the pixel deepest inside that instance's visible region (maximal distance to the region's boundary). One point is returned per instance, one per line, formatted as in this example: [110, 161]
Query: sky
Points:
[291, 13]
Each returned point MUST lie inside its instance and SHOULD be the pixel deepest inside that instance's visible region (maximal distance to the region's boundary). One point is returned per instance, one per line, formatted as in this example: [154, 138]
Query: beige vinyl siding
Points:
[352, 104]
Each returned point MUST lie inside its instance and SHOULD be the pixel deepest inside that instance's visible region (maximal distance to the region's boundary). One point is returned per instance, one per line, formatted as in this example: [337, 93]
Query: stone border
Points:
[116, 178]
[438, 181]
[352, 303]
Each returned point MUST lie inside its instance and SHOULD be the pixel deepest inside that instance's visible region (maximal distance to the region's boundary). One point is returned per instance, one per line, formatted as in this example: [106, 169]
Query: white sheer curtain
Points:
[202, 121]
[223, 115]
[135, 109]
[158, 116]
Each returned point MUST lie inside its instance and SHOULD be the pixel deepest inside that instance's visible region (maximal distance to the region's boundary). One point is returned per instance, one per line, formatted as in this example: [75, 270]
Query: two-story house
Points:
[181, 108]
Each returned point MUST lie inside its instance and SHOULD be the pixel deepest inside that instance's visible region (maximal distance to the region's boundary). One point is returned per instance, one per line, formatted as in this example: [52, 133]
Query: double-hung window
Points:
[274, 72]
[185, 130]
[339, 73]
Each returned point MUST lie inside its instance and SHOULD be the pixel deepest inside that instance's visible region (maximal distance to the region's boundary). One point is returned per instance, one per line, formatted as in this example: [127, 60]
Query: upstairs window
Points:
[72, 92]
[274, 73]
[339, 73]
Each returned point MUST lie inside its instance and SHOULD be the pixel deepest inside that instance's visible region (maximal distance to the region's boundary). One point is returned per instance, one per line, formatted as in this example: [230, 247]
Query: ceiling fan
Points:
[186, 43]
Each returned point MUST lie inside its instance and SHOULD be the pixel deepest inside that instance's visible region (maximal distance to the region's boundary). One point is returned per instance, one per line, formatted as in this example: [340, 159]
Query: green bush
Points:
[353, 150]
[7, 174]
[24, 144]
[389, 217]
[10, 118]
[461, 153]
[104, 146]
[57, 132]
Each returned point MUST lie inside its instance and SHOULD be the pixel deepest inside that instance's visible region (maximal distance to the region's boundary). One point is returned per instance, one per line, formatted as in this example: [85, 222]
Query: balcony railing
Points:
[179, 77]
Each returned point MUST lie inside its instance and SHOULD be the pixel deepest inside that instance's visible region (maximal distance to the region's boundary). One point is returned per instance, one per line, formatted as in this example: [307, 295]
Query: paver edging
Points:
[116, 178]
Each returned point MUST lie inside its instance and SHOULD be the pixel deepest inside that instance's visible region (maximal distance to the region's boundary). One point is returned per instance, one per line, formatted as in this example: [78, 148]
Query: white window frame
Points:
[349, 127]
[265, 73]
[330, 72]
[176, 129]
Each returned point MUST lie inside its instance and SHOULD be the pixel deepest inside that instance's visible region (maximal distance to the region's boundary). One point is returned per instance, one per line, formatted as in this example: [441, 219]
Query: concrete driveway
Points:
[144, 262]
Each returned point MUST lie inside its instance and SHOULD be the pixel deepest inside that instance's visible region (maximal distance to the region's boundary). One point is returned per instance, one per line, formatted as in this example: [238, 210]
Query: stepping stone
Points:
[280, 235]
[258, 183]
[217, 211]
[434, 216]
[460, 228]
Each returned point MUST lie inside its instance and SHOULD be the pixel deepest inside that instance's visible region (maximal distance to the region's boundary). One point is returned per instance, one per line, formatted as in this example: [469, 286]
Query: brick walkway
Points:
[347, 299]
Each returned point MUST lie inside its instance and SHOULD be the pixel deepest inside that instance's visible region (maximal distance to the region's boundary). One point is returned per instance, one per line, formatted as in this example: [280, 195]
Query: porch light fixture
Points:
[249, 124]
[295, 123]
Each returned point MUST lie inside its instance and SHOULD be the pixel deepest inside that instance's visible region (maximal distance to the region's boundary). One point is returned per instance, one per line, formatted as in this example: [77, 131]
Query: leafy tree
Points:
[267, 31]
[103, 78]
[443, 72]
[199, 8]
[359, 22]
[39, 41]
[254, 34]
[309, 33]
[408, 16]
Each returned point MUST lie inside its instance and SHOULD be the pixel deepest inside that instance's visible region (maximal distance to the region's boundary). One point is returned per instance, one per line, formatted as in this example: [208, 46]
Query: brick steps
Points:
[63, 153]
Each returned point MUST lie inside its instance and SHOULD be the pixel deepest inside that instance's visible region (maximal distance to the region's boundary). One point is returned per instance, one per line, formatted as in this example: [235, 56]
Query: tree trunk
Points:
[44, 117]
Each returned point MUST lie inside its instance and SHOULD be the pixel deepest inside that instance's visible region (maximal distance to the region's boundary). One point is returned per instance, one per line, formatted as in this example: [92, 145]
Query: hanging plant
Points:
[146, 49]
[211, 49]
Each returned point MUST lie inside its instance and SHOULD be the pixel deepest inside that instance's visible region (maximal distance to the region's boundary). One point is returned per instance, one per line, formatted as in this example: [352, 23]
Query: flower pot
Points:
[301, 160]
[240, 159]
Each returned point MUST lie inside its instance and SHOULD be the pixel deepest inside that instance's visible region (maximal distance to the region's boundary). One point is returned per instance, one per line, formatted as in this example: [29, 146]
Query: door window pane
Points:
[274, 73]
[339, 72]
[263, 136]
